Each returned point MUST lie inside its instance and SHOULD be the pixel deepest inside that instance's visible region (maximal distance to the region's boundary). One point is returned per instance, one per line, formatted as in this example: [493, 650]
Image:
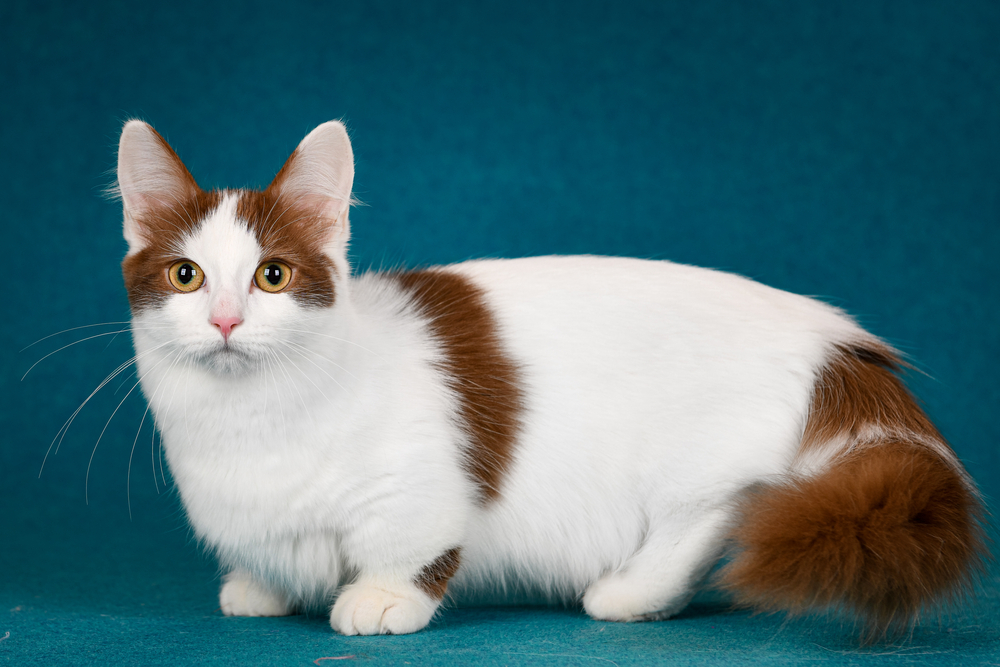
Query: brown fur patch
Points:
[433, 579]
[887, 529]
[285, 229]
[858, 389]
[288, 231]
[484, 378]
[163, 228]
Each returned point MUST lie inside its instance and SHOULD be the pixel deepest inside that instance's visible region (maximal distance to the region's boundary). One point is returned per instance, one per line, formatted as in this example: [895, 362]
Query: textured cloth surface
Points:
[849, 150]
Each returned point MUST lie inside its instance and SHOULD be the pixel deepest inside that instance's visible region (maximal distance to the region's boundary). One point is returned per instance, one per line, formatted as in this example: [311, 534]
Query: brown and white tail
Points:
[888, 526]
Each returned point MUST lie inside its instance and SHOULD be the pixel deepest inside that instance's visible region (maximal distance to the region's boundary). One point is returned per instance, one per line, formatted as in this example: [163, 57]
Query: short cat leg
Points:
[240, 595]
[660, 579]
[393, 605]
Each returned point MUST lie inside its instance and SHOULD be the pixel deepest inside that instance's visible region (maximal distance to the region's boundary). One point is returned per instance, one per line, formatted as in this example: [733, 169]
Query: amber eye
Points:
[272, 276]
[186, 276]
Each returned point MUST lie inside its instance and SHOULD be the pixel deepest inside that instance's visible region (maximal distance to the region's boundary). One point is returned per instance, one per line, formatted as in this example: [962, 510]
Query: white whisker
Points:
[64, 429]
[85, 326]
[322, 335]
[86, 485]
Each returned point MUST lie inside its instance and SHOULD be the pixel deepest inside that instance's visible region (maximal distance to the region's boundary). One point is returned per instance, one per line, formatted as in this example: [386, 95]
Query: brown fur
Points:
[482, 375]
[285, 230]
[890, 527]
[163, 229]
[295, 235]
[433, 579]
[858, 389]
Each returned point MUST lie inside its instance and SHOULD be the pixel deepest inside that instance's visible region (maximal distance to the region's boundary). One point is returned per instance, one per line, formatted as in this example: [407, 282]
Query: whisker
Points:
[128, 476]
[152, 439]
[305, 375]
[323, 370]
[277, 391]
[307, 349]
[85, 326]
[322, 335]
[86, 486]
[64, 429]
[82, 340]
[288, 377]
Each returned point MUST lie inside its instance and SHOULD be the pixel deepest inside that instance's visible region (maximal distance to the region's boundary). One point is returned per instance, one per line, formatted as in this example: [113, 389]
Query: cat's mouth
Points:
[228, 357]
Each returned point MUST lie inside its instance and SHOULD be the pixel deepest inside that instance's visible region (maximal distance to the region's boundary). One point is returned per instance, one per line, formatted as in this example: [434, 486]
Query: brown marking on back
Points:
[887, 529]
[433, 579]
[484, 378]
[857, 389]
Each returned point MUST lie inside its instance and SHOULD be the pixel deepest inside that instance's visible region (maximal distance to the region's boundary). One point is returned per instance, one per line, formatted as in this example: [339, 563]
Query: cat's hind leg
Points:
[661, 577]
[241, 595]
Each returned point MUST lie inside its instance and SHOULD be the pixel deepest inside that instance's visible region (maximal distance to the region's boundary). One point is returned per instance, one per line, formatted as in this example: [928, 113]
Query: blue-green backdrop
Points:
[849, 150]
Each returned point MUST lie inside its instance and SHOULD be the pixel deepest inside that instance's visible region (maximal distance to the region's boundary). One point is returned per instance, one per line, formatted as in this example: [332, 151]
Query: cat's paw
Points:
[241, 596]
[367, 609]
[618, 597]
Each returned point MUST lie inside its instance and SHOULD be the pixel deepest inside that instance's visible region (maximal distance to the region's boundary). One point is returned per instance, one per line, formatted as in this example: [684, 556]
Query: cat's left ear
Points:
[319, 175]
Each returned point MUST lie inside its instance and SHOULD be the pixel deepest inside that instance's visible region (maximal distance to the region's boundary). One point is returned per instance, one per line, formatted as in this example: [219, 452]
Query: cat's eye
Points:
[186, 276]
[272, 276]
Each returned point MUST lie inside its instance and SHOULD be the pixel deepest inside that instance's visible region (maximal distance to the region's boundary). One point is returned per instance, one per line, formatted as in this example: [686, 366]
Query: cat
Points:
[598, 429]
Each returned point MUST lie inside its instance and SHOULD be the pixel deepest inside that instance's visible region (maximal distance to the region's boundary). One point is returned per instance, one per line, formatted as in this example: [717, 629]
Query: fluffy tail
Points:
[887, 524]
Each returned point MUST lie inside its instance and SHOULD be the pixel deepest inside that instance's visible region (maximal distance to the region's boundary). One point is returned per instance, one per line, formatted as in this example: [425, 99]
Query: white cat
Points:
[598, 429]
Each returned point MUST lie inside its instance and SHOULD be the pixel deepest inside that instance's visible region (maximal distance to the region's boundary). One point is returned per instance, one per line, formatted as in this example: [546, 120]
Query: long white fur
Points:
[323, 448]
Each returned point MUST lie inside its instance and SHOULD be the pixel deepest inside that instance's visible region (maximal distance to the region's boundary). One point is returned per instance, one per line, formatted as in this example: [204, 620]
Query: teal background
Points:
[849, 150]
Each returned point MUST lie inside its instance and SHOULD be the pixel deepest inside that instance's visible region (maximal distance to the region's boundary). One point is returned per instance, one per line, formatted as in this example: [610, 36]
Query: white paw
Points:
[617, 597]
[240, 596]
[366, 609]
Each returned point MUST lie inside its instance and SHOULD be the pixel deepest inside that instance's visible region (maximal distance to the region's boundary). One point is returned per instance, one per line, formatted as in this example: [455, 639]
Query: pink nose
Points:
[226, 325]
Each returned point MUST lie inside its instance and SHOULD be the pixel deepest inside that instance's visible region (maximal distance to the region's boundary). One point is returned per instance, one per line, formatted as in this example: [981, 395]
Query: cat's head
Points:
[221, 277]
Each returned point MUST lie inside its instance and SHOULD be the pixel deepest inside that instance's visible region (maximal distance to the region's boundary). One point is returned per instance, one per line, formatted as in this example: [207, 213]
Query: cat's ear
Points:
[150, 176]
[319, 175]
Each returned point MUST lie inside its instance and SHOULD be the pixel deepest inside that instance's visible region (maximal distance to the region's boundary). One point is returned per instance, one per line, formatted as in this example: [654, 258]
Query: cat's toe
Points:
[619, 598]
[241, 596]
[364, 609]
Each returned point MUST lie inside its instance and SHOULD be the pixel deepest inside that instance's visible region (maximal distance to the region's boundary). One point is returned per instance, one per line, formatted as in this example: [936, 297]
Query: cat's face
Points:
[231, 279]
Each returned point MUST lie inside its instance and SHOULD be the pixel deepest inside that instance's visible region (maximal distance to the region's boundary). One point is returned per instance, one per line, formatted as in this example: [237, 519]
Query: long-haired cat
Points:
[598, 429]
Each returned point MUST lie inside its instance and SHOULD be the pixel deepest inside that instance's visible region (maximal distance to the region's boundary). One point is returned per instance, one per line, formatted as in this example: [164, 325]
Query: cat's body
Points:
[585, 427]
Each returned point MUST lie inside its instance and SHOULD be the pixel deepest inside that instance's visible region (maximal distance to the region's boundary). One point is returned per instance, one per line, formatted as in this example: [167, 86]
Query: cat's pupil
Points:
[273, 274]
[185, 274]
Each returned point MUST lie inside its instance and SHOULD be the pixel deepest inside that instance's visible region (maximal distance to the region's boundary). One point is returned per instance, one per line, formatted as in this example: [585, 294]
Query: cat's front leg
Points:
[241, 595]
[393, 604]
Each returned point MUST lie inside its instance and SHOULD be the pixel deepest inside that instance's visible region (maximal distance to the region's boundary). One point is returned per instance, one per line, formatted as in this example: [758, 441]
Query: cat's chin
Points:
[229, 360]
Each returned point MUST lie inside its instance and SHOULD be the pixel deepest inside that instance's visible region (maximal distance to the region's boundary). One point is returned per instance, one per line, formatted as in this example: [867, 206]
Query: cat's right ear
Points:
[150, 176]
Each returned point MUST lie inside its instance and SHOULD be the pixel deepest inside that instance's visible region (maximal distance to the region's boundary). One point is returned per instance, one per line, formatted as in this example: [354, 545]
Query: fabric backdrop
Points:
[848, 150]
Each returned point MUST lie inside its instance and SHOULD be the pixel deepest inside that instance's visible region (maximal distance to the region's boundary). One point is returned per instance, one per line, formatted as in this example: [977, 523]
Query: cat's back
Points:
[633, 356]
[624, 306]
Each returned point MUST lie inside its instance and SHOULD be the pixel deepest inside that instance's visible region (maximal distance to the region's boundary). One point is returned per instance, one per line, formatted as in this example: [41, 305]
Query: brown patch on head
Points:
[858, 390]
[891, 526]
[484, 378]
[433, 579]
[294, 233]
[880, 535]
[286, 228]
[163, 227]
